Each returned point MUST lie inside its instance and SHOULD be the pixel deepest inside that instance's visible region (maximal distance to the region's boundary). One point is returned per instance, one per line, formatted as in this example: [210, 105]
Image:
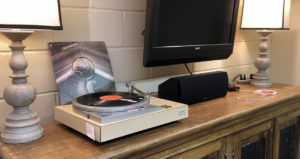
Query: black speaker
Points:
[194, 88]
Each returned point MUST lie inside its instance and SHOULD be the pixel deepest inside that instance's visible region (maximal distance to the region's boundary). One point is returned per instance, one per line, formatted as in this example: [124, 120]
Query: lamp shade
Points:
[30, 14]
[266, 14]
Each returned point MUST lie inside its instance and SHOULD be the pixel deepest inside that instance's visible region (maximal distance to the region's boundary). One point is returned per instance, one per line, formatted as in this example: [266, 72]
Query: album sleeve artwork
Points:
[81, 68]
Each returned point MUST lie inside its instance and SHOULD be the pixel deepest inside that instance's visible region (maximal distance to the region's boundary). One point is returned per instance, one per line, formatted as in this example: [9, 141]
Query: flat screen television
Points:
[183, 31]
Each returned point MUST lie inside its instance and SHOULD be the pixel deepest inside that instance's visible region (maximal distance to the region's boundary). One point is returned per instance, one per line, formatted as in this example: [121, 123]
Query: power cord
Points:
[231, 86]
[187, 67]
[240, 79]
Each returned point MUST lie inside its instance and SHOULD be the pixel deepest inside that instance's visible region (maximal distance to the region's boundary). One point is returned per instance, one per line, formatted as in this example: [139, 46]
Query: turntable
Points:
[106, 116]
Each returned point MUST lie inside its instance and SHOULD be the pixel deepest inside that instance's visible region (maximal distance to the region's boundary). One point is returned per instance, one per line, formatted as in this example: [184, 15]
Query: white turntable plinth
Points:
[172, 111]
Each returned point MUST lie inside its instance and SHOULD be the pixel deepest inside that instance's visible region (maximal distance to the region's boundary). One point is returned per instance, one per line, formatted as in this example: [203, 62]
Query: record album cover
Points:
[81, 68]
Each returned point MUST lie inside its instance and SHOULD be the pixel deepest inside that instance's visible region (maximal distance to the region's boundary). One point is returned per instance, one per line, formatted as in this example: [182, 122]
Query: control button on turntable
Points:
[166, 106]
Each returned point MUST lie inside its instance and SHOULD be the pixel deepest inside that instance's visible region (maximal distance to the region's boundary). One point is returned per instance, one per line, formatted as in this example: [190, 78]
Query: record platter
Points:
[106, 116]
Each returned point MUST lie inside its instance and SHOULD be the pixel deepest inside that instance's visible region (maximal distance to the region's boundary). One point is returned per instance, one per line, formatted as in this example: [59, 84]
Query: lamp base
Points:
[21, 126]
[261, 81]
[263, 62]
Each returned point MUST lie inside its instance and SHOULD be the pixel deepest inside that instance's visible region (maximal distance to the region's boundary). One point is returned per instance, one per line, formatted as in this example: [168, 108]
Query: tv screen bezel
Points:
[169, 55]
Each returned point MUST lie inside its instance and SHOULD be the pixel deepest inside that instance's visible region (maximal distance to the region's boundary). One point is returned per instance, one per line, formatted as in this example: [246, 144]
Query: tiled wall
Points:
[119, 23]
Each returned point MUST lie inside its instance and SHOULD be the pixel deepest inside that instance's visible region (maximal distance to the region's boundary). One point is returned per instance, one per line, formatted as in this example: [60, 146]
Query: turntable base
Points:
[165, 112]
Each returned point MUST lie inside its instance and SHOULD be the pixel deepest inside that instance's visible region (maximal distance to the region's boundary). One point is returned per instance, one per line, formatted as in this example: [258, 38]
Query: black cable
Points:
[232, 86]
[188, 69]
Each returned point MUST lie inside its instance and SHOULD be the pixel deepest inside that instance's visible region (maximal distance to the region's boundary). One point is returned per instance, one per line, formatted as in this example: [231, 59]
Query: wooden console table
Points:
[238, 125]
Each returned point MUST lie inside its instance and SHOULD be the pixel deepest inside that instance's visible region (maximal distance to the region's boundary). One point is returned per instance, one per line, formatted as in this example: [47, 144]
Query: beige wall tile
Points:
[244, 53]
[169, 70]
[4, 42]
[127, 64]
[44, 106]
[4, 71]
[208, 65]
[75, 25]
[75, 3]
[134, 24]
[119, 4]
[147, 85]
[106, 26]
[246, 35]
[38, 40]
[40, 71]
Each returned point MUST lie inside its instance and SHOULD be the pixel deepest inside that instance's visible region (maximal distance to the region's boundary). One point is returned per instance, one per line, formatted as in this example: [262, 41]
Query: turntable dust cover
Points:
[81, 68]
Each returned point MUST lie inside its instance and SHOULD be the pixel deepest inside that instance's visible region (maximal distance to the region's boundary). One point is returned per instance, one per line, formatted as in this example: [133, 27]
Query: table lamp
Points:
[18, 20]
[265, 16]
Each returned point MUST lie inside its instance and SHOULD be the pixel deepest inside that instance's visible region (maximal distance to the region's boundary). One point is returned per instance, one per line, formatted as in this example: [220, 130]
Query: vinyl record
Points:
[110, 99]
[109, 102]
